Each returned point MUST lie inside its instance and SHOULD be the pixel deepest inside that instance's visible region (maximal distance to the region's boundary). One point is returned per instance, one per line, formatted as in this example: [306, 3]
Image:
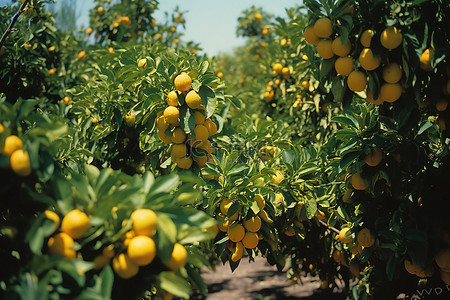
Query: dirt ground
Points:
[258, 280]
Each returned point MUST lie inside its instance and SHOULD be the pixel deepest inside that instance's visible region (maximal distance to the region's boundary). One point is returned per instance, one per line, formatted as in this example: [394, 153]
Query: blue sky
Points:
[212, 24]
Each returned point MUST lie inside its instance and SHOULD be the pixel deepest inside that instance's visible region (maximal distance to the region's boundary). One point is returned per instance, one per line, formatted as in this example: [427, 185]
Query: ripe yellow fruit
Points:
[225, 205]
[366, 38]
[392, 73]
[253, 224]
[341, 49]
[179, 150]
[285, 71]
[264, 31]
[324, 49]
[342, 236]
[201, 133]
[320, 215]
[60, 244]
[258, 16]
[201, 161]
[265, 216]
[161, 123]
[214, 229]
[193, 100]
[260, 201]
[425, 59]
[391, 38]
[236, 232]
[250, 240]
[358, 182]
[172, 98]
[365, 238]
[277, 178]
[75, 223]
[374, 158]
[89, 31]
[178, 136]
[111, 50]
[277, 68]
[211, 127]
[12, 143]
[442, 259]
[100, 261]
[183, 82]
[370, 99]
[166, 139]
[20, 162]
[81, 54]
[310, 36]
[344, 65]
[390, 92]
[124, 267]
[323, 28]
[2, 128]
[144, 221]
[220, 75]
[206, 145]
[199, 118]
[171, 114]
[141, 250]
[100, 10]
[108, 251]
[357, 81]
[178, 258]
[54, 217]
[184, 163]
[238, 251]
[368, 61]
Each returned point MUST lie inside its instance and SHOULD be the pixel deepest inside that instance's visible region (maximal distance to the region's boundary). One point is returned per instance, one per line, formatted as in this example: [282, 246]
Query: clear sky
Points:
[210, 23]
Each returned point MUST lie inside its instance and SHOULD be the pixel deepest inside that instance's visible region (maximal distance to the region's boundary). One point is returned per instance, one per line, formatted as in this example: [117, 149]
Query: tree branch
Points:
[329, 227]
[16, 16]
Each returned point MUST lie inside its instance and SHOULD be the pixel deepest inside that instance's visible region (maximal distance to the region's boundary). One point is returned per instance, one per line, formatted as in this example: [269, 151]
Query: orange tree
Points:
[386, 65]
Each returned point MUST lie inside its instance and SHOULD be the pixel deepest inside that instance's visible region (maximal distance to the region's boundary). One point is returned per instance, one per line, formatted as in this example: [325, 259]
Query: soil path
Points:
[259, 280]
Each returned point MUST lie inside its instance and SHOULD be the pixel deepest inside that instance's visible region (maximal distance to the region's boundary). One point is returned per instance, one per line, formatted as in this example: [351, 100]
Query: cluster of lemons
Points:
[442, 260]
[320, 34]
[372, 159]
[242, 233]
[19, 160]
[192, 146]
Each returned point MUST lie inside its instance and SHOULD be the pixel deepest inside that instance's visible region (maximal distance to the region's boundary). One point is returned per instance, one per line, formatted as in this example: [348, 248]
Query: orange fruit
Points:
[12, 143]
[211, 127]
[179, 150]
[199, 118]
[75, 223]
[166, 139]
[391, 38]
[343, 237]
[225, 205]
[344, 65]
[341, 49]
[323, 28]
[368, 61]
[172, 98]
[220, 75]
[100, 10]
[358, 182]
[81, 54]
[238, 251]
[357, 81]
[425, 59]
[260, 201]
[184, 163]
[171, 114]
[144, 221]
[392, 73]
[124, 267]
[183, 82]
[310, 36]
[201, 133]
[390, 92]
[141, 250]
[442, 259]
[54, 217]
[60, 244]
[89, 31]
[178, 258]
[324, 49]
[178, 135]
[20, 162]
[258, 16]
[250, 240]
[441, 105]
[193, 100]
[253, 224]
[369, 98]
[374, 158]
[366, 38]
[277, 68]
[365, 238]
[236, 232]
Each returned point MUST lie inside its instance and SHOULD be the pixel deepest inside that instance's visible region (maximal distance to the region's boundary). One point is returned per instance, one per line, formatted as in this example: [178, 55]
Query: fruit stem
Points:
[16, 16]
[329, 227]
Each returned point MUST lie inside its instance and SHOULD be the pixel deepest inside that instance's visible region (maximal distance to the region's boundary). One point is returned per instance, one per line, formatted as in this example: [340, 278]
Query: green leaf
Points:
[239, 169]
[348, 159]
[345, 120]
[107, 281]
[174, 284]
[310, 208]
